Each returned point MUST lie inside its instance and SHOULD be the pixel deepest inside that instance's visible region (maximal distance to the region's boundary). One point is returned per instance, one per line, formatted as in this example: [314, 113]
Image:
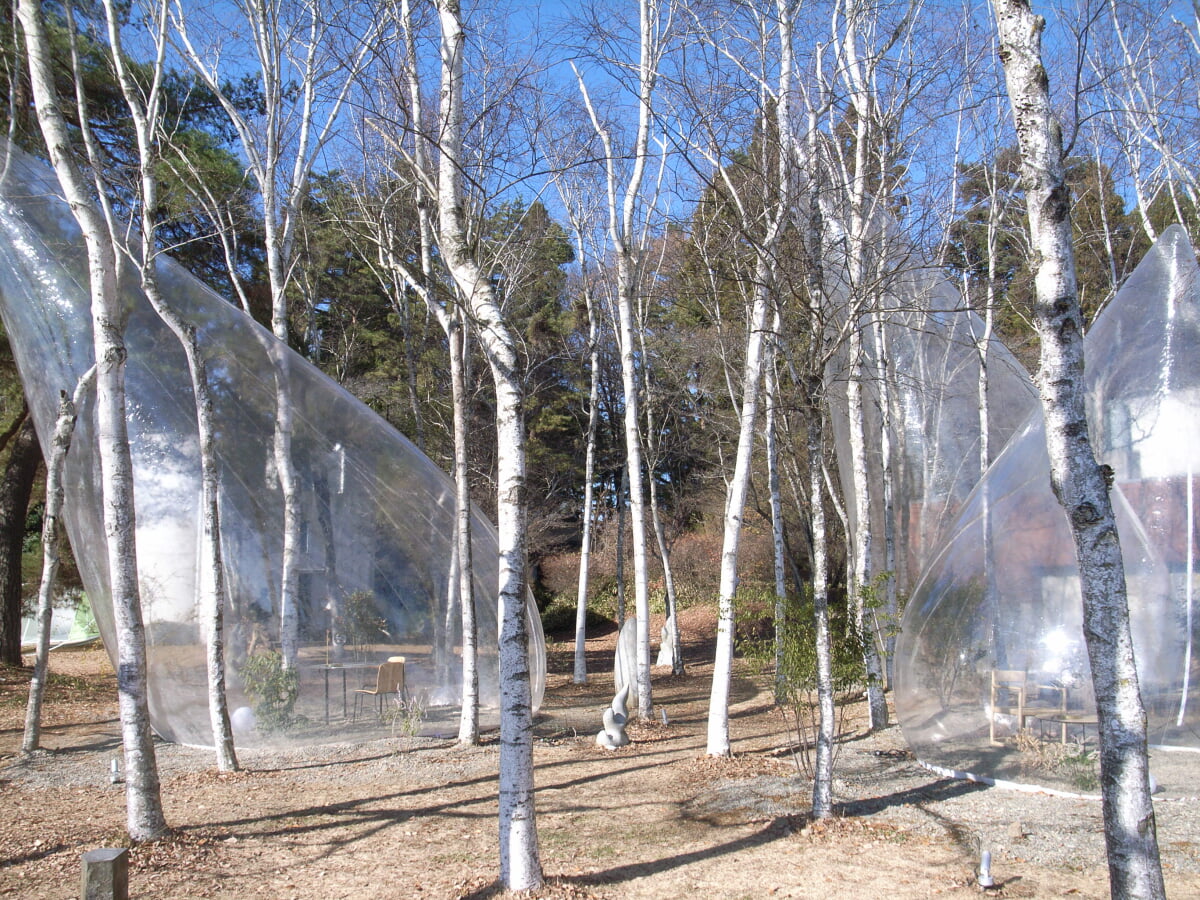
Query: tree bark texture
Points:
[822, 801]
[144, 108]
[144, 815]
[520, 862]
[585, 549]
[1077, 479]
[64, 428]
[735, 506]
[468, 722]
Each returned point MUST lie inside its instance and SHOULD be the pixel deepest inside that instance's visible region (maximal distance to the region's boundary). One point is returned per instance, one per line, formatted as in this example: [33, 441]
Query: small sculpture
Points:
[625, 661]
[666, 649]
[613, 734]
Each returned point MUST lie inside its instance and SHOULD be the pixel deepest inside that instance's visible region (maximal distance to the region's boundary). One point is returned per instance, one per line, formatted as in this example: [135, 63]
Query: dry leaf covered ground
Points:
[416, 818]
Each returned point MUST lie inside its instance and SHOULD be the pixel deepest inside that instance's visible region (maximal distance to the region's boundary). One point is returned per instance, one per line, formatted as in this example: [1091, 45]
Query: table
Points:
[343, 668]
[1065, 719]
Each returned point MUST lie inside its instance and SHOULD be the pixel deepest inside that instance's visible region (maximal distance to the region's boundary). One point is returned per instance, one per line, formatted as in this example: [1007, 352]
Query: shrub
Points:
[272, 689]
[558, 618]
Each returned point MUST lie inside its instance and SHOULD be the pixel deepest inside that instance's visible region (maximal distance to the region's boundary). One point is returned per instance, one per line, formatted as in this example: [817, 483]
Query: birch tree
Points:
[408, 176]
[763, 210]
[145, 109]
[520, 863]
[1079, 482]
[304, 84]
[578, 216]
[863, 44]
[144, 814]
[64, 429]
[626, 229]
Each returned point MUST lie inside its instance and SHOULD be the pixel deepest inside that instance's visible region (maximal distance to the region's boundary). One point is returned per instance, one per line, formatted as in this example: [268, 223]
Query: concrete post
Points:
[105, 874]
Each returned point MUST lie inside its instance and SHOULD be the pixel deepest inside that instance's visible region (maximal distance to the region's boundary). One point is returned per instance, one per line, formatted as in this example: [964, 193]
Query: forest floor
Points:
[409, 817]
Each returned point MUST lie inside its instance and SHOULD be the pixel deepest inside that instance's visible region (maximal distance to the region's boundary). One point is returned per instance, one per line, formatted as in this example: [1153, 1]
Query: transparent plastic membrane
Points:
[992, 676]
[377, 527]
[932, 348]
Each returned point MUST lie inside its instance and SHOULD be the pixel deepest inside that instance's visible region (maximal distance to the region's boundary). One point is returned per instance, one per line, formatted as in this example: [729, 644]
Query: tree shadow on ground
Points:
[943, 789]
[779, 827]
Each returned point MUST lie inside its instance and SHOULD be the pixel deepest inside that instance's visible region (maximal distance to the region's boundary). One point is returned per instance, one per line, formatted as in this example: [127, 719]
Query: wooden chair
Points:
[1007, 698]
[389, 680]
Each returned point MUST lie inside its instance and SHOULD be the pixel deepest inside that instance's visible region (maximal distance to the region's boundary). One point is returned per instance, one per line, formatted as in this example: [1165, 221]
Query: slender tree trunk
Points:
[1081, 484]
[468, 723]
[622, 491]
[63, 430]
[144, 815]
[814, 389]
[735, 504]
[859, 77]
[777, 210]
[822, 802]
[777, 542]
[621, 228]
[520, 863]
[212, 607]
[145, 111]
[637, 491]
[660, 537]
[289, 485]
[585, 549]
[861, 583]
[886, 627]
[15, 490]
[983, 351]
[664, 554]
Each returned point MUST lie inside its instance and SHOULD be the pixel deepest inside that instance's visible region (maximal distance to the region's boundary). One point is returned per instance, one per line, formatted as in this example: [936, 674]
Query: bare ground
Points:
[416, 818]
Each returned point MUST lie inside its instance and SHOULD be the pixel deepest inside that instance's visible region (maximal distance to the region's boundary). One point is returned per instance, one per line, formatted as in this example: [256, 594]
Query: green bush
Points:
[272, 689]
[559, 616]
[361, 621]
[796, 680]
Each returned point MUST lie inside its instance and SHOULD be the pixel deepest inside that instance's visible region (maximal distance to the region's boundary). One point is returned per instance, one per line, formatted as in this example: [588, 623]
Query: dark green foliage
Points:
[1108, 244]
[362, 623]
[797, 682]
[272, 689]
[558, 618]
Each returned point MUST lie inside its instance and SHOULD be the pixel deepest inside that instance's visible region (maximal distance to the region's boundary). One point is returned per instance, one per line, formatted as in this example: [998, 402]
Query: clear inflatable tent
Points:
[992, 676]
[931, 342]
[377, 532]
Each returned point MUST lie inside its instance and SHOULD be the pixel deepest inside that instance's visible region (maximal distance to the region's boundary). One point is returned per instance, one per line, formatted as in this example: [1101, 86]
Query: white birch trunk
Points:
[735, 504]
[468, 722]
[885, 627]
[144, 815]
[622, 492]
[983, 351]
[621, 229]
[863, 537]
[766, 247]
[664, 554]
[637, 492]
[1078, 481]
[585, 548]
[63, 430]
[858, 74]
[144, 110]
[520, 864]
[289, 486]
[777, 543]
[822, 802]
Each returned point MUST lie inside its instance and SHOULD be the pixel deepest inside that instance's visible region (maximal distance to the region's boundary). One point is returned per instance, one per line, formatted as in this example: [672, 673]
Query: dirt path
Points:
[412, 818]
